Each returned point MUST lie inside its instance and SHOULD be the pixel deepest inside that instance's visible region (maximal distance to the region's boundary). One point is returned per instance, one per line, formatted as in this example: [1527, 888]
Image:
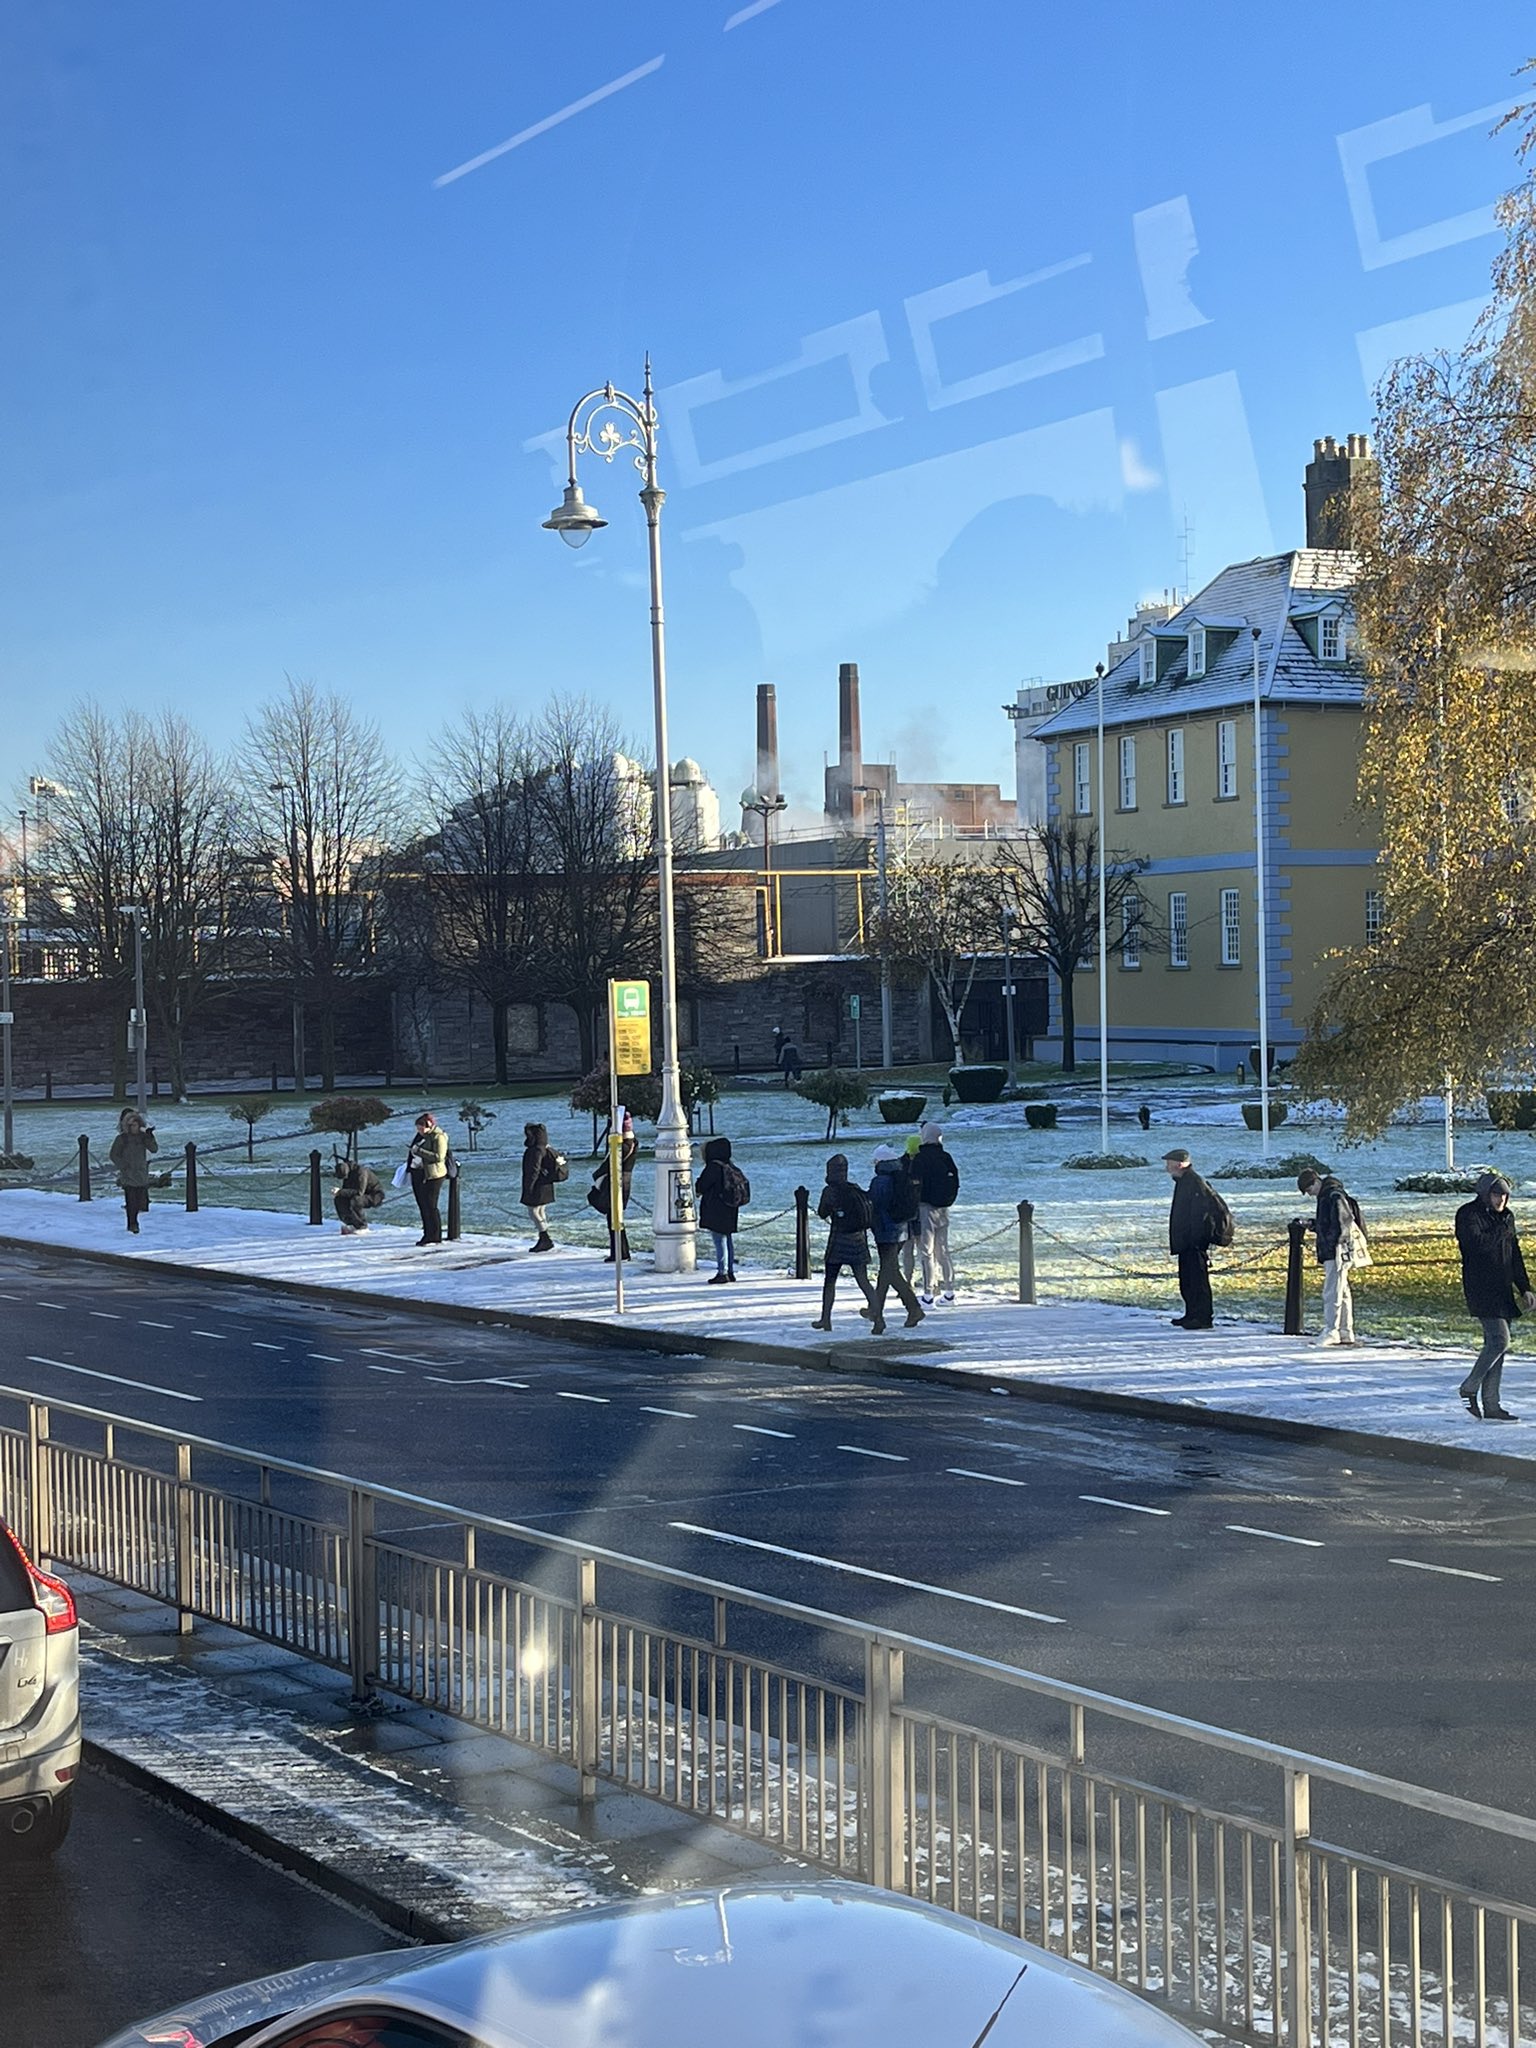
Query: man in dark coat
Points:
[1333, 1228]
[846, 1208]
[540, 1172]
[1194, 1220]
[1494, 1280]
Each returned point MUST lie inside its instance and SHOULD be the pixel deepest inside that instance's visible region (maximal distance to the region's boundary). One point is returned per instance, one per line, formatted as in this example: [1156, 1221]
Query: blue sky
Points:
[273, 395]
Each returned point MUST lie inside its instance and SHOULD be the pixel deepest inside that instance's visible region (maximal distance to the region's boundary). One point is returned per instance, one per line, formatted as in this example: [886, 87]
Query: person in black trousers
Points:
[1495, 1283]
[1194, 1220]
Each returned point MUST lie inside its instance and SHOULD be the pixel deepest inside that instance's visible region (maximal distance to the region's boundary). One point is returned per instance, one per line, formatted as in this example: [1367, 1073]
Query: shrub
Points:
[1253, 1114]
[1089, 1162]
[475, 1116]
[835, 1092]
[249, 1110]
[346, 1115]
[1040, 1116]
[1512, 1109]
[1462, 1181]
[1288, 1168]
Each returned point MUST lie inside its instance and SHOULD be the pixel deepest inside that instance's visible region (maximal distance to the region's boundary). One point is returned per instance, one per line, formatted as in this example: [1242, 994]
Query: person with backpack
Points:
[938, 1184]
[723, 1191]
[598, 1195]
[1339, 1234]
[543, 1169]
[358, 1189]
[893, 1203]
[1496, 1285]
[845, 1207]
[1197, 1219]
[426, 1162]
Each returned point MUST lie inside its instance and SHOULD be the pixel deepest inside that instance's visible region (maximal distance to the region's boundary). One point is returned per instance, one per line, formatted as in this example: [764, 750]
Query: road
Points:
[1372, 1610]
[142, 1907]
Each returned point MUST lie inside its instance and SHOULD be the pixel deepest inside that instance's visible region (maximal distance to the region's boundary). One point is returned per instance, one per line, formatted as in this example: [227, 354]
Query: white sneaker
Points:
[1330, 1337]
[926, 1300]
[948, 1294]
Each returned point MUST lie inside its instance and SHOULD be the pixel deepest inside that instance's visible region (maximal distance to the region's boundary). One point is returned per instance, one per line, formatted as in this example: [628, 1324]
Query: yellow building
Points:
[1179, 782]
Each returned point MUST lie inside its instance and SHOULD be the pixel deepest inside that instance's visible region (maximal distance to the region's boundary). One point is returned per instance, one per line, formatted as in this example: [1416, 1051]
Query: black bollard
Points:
[155, 1084]
[1027, 1253]
[274, 1077]
[802, 1233]
[453, 1209]
[85, 1168]
[47, 1084]
[191, 1178]
[315, 1215]
[1297, 1231]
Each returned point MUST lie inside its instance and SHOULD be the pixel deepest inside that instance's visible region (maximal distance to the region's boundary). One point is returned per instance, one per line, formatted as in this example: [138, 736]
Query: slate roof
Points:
[1266, 593]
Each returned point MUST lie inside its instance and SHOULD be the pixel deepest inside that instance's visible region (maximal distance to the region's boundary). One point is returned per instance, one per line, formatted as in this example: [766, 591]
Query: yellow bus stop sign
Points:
[629, 1009]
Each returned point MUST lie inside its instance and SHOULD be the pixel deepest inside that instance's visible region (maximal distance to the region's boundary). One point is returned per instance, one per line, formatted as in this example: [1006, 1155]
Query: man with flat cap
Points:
[1497, 1286]
[1197, 1219]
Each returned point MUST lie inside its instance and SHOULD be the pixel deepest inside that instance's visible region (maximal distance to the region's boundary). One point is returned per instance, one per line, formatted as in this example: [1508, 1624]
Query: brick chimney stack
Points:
[844, 804]
[767, 740]
[1335, 473]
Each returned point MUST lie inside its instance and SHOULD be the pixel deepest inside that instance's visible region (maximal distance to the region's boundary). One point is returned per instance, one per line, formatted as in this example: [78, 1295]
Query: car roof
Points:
[768, 1967]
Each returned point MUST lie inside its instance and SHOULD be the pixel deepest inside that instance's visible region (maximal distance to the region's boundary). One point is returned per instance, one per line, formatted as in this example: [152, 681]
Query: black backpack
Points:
[947, 1182]
[738, 1189]
[1223, 1225]
[854, 1213]
[902, 1201]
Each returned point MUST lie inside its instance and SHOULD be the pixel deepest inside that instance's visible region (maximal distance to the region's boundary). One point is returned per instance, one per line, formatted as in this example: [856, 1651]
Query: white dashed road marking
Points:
[218, 1336]
[145, 1324]
[1102, 1500]
[756, 1429]
[324, 1358]
[257, 1345]
[601, 1400]
[50, 1304]
[680, 1414]
[992, 1478]
[397, 1370]
[144, 1386]
[521, 1385]
[1274, 1535]
[404, 1356]
[891, 1457]
[859, 1571]
[106, 1315]
[1451, 1571]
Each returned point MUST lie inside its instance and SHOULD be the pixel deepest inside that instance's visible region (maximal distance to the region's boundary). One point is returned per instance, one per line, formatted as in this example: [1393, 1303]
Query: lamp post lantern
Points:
[767, 808]
[140, 1022]
[604, 423]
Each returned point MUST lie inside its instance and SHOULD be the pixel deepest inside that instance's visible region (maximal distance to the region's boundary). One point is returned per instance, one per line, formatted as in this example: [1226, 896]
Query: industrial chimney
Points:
[767, 739]
[1335, 474]
[845, 806]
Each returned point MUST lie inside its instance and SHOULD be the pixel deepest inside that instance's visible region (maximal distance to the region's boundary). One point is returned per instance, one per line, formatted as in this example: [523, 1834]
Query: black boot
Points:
[546, 1243]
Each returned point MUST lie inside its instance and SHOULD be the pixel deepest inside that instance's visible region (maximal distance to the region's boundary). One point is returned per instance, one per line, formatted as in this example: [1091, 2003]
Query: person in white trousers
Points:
[1334, 1226]
[938, 1184]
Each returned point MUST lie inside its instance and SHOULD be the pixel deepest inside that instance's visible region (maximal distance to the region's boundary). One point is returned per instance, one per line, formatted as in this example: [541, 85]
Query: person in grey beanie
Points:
[1496, 1285]
[938, 1185]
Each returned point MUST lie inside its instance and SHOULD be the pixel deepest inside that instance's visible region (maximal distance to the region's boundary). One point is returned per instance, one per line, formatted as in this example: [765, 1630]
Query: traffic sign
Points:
[629, 1012]
[853, 1007]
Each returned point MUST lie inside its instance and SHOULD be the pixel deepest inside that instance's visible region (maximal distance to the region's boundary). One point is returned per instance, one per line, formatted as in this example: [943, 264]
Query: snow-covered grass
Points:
[1100, 1235]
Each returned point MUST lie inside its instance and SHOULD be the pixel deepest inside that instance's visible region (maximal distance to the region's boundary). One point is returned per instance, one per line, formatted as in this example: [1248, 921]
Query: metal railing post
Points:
[1296, 1231]
[182, 1558]
[85, 1167]
[191, 1177]
[453, 1209]
[315, 1213]
[884, 1768]
[802, 1233]
[586, 1679]
[1027, 1253]
[1298, 1910]
[363, 1649]
[39, 1518]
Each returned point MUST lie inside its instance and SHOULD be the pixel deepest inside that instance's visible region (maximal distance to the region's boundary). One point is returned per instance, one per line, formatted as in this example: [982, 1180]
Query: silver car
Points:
[755, 1966]
[39, 1704]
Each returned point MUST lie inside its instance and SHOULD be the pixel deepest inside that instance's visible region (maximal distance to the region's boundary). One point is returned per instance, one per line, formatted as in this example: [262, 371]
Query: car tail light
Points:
[51, 1596]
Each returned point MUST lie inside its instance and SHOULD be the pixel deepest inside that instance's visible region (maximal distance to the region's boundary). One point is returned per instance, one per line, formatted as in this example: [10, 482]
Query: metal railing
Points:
[1029, 1804]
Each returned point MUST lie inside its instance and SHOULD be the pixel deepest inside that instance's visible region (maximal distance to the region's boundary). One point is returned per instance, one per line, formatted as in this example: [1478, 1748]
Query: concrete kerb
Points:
[854, 1360]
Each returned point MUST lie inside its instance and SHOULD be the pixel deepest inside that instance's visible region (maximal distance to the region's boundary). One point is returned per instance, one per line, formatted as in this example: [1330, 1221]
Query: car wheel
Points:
[47, 1834]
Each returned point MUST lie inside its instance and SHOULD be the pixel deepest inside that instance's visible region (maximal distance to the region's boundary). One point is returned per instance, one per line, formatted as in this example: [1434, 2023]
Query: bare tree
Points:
[941, 917]
[1053, 885]
[325, 803]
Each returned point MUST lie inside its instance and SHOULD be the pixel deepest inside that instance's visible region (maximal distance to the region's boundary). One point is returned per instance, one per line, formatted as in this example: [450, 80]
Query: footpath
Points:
[1393, 1399]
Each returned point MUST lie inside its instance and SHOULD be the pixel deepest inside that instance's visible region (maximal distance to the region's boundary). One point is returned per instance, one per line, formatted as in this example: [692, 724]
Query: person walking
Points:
[541, 1171]
[789, 1062]
[938, 1184]
[913, 1240]
[1336, 1228]
[845, 1206]
[358, 1189]
[1496, 1285]
[1197, 1219]
[598, 1195]
[893, 1203]
[426, 1162]
[130, 1154]
[723, 1191]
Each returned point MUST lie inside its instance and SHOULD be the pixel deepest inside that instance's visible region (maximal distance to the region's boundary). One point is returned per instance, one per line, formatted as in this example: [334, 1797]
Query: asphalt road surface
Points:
[142, 1907]
[1371, 1610]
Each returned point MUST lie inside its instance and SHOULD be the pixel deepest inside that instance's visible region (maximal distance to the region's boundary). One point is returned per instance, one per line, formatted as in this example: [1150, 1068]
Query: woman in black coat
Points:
[540, 1173]
[719, 1208]
[1495, 1282]
[597, 1194]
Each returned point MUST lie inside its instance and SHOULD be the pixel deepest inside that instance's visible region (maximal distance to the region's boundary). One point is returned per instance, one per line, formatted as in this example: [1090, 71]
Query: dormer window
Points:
[1196, 652]
[1149, 660]
[1330, 637]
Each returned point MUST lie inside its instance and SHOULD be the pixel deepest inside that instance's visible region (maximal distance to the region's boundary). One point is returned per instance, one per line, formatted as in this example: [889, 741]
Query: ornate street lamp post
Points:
[605, 423]
[766, 807]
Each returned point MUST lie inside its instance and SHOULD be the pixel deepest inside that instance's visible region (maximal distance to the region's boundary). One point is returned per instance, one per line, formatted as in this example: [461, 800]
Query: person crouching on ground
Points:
[358, 1189]
[1334, 1228]
[892, 1198]
[1493, 1275]
[1193, 1224]
[130, 1152]
[721, 1198]
[426, 1161]
[844, 1206]
[540, 1172]
[598, 1195]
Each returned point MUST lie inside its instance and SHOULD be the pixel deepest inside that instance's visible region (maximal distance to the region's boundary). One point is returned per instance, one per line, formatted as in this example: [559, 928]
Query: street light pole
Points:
[673, 1220]
[6, 1019]
[887, 1035]
[1008, 985]
[1260, 899]
[766, 807]
[1102, 822]
[290, 803]
[140, 1022]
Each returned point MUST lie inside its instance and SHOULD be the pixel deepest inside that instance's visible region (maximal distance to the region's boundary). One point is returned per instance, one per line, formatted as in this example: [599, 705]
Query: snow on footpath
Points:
[1390, 1397]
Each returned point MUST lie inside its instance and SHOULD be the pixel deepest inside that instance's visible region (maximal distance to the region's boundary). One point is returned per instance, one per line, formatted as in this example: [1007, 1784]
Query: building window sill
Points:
[1177, 803]
[1126, 967]
[1178, 967]
[1229, 967]
[1235, 798]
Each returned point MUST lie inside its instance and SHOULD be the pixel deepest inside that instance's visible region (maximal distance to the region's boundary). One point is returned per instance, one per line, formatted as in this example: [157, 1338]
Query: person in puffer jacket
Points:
[891, 1196]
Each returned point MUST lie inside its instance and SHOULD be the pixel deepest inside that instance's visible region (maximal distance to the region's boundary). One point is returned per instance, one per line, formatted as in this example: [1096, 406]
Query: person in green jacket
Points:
[427, 1164]
[130, 1152]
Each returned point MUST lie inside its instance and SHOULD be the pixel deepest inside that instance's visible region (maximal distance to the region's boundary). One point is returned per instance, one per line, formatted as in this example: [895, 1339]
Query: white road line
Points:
[1451, 1571]
[438, 1380]
[324, 1357]
[859, 1571]
[257, 1345]
[756, 1429]
[405, 1357]
[106, 1315]
[11, 1297]
[49, 1304]
[891, 1457]
[397, 1370]
[992, 1478]
[144, 1386]
[1102, 1500]
[521, 1384]
[601, 1400]
[681, 1414]
[218, 1336]
[145, 1324]
[549, 121]
[1274, 1535]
